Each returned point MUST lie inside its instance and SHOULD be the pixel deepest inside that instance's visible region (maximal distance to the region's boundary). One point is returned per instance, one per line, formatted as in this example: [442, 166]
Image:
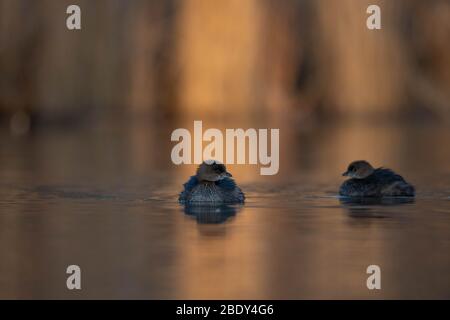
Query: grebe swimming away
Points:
[369, 182]
[212, 184]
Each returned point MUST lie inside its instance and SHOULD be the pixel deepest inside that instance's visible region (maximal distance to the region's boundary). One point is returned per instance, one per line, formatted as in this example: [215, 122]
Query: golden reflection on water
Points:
[108, 201]
[219, 260]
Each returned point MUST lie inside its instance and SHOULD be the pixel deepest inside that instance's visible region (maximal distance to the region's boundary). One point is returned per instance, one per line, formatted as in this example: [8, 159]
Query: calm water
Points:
[107, 201]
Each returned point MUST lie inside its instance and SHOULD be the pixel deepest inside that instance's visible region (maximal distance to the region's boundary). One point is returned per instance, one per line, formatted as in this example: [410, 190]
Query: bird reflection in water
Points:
[211, 214]
[366, 207]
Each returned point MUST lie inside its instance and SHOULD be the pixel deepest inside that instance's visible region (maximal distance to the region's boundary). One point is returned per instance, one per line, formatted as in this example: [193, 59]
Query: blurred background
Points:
[85, 124]
[232, 59]
[297, 64]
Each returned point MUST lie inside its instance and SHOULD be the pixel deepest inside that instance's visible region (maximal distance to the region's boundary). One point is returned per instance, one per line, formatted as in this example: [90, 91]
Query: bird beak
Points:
[228, 174]
[345, 174]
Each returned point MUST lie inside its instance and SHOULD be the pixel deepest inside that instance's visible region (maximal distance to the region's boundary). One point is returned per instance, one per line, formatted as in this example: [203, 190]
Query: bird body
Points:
[211, 184]
[369, 182]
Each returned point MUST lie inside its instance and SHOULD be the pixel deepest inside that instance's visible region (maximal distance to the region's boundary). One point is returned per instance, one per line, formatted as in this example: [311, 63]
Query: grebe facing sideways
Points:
[212, 184]
[369, 182]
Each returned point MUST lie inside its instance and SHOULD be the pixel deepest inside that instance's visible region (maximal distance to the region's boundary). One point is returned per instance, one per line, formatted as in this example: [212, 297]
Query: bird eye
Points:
[352, 168]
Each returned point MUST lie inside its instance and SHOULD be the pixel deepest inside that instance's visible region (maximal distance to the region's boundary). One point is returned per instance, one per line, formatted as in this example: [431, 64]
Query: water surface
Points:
[110, 206]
